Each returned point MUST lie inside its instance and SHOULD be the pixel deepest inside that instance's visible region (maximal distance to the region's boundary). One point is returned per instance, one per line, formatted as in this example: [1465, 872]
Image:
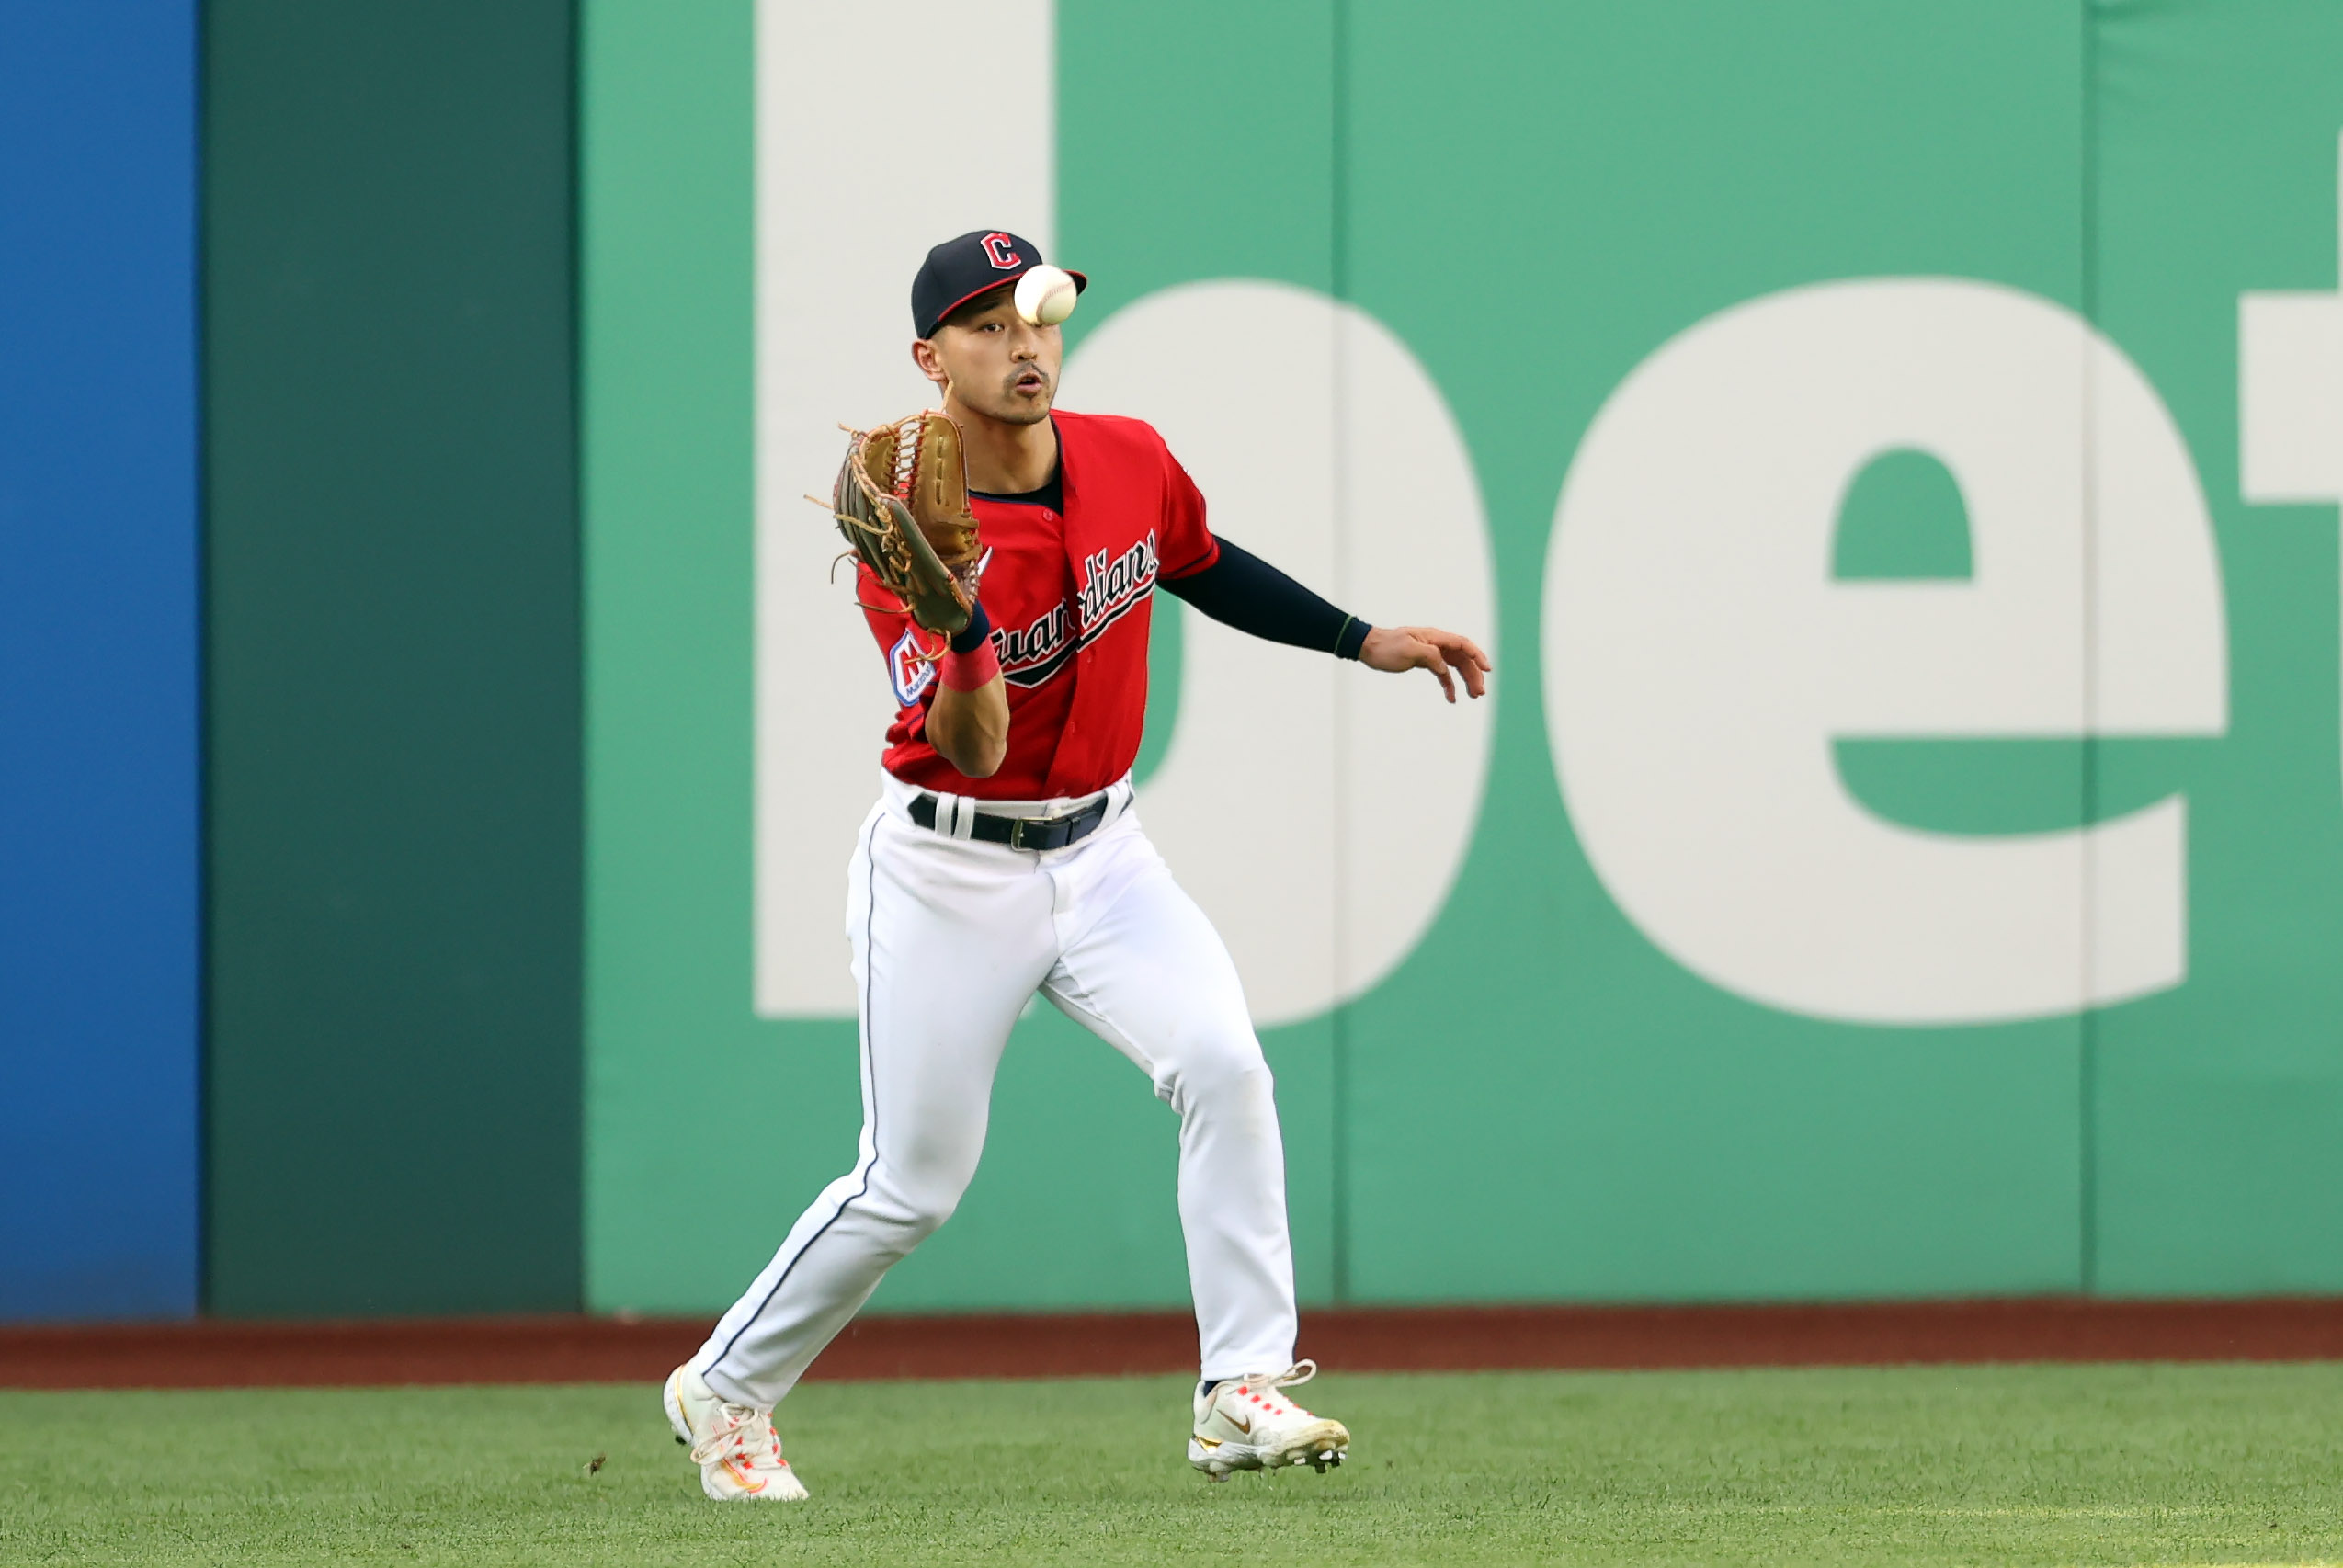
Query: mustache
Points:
[1034, 370]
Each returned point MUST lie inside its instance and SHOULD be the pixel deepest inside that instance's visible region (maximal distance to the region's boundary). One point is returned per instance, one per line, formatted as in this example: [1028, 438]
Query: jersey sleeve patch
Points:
[909, 674]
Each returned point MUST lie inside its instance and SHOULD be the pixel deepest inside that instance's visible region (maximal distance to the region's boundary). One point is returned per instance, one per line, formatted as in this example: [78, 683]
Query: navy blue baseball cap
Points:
[958, 270]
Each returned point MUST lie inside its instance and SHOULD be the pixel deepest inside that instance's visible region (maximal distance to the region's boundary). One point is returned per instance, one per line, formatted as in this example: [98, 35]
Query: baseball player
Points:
[1005, 856]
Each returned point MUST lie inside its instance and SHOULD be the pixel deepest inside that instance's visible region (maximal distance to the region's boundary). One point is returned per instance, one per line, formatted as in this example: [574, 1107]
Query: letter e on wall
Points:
[1700, 662]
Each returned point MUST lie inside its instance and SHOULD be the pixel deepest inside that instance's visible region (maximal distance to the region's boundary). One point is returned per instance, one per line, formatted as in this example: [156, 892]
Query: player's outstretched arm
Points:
[1447, 654]
[1240, 589]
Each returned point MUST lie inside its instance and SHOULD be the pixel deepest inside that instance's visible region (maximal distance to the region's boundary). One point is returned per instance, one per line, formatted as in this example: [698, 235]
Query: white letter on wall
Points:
[1700, 662]
[1318, 812]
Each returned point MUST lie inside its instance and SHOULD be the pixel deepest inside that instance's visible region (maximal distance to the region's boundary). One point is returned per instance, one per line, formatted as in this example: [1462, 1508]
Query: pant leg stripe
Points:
[870, 912]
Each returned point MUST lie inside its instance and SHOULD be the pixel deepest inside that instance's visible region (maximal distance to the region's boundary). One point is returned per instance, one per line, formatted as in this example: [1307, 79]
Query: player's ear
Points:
[930, 363]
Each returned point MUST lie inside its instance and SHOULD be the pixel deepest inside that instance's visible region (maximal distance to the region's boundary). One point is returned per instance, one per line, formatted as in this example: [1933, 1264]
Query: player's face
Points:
[996, 363]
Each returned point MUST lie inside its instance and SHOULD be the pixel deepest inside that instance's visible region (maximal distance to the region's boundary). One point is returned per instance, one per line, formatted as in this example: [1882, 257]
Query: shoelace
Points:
[1299, 1372]
[1264, 1391]
[741, 1425]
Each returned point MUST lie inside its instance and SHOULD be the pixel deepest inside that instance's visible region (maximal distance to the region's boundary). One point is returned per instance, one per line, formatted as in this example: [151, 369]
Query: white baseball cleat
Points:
[1246, 1424]
[735, 1445]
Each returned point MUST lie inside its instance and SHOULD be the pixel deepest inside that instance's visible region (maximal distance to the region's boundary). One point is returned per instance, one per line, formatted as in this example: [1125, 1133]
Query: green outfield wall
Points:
[1892, 451]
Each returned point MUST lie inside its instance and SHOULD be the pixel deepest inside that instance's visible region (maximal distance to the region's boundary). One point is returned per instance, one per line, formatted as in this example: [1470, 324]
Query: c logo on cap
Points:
[1001, 252]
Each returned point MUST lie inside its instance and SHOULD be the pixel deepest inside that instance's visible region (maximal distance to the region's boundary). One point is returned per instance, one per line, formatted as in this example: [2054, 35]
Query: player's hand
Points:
[1446, 653]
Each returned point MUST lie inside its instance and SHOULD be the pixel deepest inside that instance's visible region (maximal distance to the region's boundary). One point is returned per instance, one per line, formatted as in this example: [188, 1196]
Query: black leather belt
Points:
[1023, 833]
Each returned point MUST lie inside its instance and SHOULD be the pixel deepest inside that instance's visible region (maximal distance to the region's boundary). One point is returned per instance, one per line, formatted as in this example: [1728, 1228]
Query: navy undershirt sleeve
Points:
[1240, 589]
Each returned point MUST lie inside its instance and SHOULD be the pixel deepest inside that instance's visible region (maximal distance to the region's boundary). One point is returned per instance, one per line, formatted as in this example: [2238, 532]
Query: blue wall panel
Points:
[99, 752]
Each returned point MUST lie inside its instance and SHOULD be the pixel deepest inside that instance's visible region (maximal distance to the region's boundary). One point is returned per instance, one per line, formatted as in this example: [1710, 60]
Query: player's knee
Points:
[929, 1216]
[1221, 1068]
[914, 1204]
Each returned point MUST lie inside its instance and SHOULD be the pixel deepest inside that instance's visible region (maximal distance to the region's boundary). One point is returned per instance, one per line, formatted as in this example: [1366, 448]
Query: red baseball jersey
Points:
[1069, 597]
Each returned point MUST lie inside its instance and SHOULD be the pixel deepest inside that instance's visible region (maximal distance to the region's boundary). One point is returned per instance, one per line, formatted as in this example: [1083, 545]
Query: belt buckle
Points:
[1019, 825]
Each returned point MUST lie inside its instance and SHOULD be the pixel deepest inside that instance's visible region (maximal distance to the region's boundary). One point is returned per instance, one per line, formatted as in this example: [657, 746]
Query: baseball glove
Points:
[902, 502]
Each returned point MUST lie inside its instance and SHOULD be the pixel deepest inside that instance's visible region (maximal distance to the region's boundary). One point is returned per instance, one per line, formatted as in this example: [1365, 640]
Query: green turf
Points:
[2000, 1465]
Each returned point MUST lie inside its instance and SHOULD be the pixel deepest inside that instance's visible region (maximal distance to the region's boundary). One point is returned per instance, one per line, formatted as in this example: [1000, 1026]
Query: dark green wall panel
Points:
[393, 644]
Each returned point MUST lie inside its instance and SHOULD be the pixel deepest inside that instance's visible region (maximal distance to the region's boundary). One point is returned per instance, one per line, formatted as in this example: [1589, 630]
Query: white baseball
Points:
[1045, 296]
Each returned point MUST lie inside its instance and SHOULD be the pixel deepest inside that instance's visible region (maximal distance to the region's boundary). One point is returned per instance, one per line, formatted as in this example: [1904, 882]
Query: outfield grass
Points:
[2000, 1465]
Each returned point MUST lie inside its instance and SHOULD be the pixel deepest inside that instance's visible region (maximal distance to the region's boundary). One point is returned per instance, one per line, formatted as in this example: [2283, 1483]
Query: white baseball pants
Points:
[951, 937]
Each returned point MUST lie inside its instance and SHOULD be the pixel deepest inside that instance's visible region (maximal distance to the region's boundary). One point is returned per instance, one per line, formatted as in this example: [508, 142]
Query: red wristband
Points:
[970, 671]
